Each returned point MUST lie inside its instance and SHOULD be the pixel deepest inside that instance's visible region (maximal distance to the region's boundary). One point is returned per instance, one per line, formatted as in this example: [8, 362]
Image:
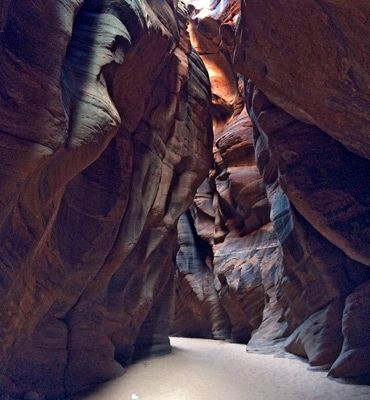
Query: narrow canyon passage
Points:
[184, 169]
[201, 369]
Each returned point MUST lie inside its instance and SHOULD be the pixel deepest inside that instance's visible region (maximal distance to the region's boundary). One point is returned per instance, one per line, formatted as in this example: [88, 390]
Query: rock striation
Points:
[317, 276]
[105, 135]
[311, 59]
[283, 219]
[106, 118]
[228, 225]
[354, 359]
[310, 68]
[228, 238]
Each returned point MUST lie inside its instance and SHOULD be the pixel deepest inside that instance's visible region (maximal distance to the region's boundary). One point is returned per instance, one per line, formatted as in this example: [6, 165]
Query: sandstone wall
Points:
[285, 211]
[105, 136]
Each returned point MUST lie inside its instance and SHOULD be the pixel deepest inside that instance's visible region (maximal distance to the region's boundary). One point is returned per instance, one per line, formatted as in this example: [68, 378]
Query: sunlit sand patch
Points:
[207, 369]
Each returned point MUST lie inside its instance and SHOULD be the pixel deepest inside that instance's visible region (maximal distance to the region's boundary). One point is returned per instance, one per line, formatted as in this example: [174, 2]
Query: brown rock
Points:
[230, 213]
[311, 59]
[101, 153]
[323, 180]
[105, 136]
[286, 282]
[210, 30]
[313, 284]
[354, 360]
[319, 337]
[199, 312]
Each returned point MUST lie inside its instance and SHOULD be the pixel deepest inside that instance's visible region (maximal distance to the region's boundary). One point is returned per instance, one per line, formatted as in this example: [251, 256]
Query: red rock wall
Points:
[301, 162]
[311, 59]
[221, 285]
[105, 136]
[105, 133]
[317, 275]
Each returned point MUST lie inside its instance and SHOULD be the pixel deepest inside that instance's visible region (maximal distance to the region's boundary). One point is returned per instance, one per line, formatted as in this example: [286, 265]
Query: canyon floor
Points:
[199, 369]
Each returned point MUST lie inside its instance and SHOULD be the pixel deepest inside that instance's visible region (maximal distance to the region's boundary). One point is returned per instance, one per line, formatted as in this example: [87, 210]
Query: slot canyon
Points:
[179, 168]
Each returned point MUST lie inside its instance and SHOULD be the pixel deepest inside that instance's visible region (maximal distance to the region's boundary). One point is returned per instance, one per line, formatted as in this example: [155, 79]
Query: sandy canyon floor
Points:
[214, 370]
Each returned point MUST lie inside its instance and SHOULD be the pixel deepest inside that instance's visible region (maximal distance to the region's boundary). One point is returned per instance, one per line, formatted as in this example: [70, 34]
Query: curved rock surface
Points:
[228, 224]
[354, 360]
[105, 136]
[311, 59]
[285, 282]
[231, 242]
[317, 276]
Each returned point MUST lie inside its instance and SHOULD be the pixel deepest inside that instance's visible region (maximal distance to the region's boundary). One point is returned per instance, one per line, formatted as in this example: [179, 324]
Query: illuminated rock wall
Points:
[105, 136]
[301, 162]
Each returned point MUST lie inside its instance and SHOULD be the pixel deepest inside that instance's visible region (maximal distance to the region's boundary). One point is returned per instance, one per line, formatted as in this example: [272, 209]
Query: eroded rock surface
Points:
[317, 275]
[311, 59]
[224, 280]
[105, 136]
[303, 166]
[354, 360]
[232, 241]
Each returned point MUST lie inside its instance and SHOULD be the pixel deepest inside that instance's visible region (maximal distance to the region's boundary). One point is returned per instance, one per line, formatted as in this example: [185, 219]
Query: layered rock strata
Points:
[105, 136]
[295, 281]
[354, 360]
[311, 59]
[230, 248]
[297, 164]
[227, 241]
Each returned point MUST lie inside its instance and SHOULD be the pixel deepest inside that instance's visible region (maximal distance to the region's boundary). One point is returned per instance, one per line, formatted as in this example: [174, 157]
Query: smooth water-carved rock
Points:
[286, 282]
[222, 283]
[323, 180]
[354, 360]
[105, 136]
[304, 58]
[228, 247]
[311, 59]
[199, 313]
[317, 275]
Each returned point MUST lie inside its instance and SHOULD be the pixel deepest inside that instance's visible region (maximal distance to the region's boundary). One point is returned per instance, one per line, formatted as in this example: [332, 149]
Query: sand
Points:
[215, 370]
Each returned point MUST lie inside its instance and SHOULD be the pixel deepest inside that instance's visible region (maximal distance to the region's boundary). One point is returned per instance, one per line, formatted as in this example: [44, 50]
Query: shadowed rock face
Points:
[354, 360]
[317, 275]
[284, 215]
[229, 248]
[105, 136]
[233, 244]
[311, 59]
